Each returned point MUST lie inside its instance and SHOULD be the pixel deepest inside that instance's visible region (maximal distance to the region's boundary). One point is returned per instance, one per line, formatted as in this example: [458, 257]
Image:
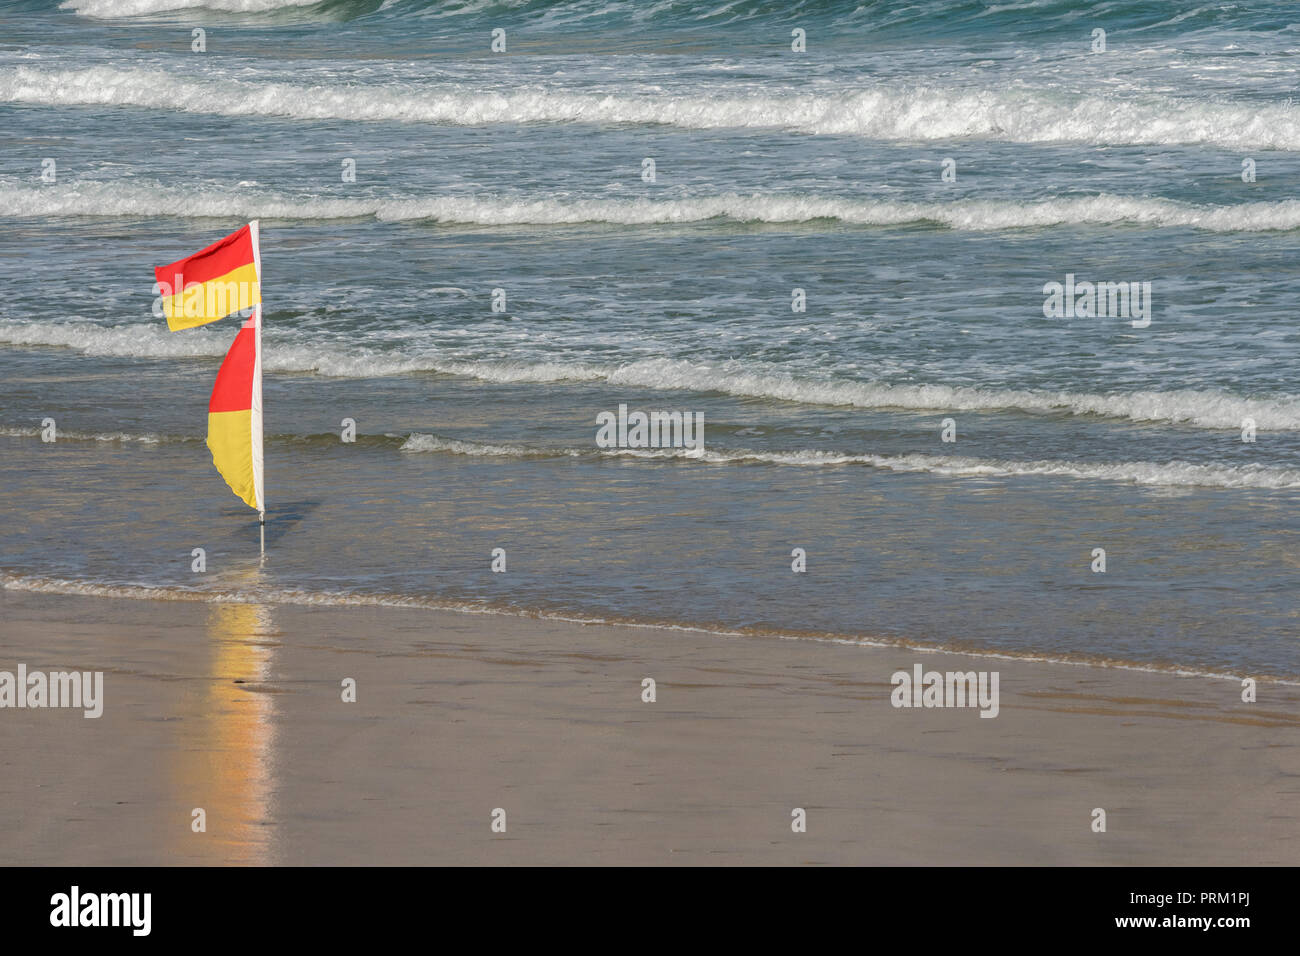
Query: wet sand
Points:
[238, 710]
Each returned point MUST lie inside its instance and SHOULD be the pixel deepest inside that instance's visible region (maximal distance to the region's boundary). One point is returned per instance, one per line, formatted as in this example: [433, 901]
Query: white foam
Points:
[912, 113]
[1200, 408]
[136, 200]
[152, 340]
[60, 435]
[434, 443]
[1173, 474]
[113, 9]
[286, 596]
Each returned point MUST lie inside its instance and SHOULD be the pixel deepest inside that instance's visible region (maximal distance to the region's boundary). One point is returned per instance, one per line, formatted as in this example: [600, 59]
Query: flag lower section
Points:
[213, 283]
[235, 415]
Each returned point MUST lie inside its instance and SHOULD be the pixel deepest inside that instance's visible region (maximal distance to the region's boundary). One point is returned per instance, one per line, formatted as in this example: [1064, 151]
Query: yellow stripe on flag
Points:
[230, 441]
[205, 302]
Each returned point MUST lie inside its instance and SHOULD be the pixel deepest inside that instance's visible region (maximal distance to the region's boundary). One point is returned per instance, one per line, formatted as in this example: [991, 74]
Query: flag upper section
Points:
[211, 284]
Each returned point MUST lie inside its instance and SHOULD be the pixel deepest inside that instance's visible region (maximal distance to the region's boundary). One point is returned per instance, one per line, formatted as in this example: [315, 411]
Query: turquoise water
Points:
[774, 171]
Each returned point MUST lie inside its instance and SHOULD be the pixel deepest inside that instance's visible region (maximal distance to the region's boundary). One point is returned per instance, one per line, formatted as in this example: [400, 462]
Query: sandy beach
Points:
[237, 709]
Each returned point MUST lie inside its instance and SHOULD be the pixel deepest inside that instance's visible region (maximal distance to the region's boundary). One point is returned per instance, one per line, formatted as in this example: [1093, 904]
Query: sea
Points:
[830, 229]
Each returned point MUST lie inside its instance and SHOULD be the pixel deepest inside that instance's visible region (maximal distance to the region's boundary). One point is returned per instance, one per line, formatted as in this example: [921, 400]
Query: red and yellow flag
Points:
[235, 416]
[206, 281]
[211, 284]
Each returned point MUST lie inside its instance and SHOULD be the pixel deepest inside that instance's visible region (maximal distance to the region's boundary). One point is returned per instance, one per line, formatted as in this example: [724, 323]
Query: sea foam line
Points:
[113, 9]
[299, 597]
[909, 113]
[134, 200]
[1199, 408]
[148, 438]
[1166, 474]
[1174, 473]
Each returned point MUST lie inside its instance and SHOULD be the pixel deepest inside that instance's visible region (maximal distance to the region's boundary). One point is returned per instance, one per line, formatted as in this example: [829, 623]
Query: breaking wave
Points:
[115, 437]
[1175, 473]
[129, 200]
[1200, 408]
[911, 113]
[111, 9]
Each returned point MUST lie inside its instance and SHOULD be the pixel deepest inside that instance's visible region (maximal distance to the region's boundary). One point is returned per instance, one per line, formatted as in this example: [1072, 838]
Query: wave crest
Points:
[115, 9]
[133, 200]
[1200, 408]
[910, 113]
[1174, 473]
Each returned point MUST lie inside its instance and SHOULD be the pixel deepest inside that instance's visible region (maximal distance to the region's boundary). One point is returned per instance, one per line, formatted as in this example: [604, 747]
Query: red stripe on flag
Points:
[223, 256]
[233, 390]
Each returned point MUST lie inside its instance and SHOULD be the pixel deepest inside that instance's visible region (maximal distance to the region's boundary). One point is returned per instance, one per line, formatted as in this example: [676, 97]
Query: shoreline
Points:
[237, 709]
[293, 597]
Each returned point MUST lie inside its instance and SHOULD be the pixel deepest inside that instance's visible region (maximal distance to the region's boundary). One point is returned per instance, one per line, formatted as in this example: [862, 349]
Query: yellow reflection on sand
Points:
[226, 764]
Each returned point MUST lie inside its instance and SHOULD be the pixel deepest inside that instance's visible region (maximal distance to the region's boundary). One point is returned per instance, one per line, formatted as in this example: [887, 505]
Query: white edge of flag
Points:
[256, 417]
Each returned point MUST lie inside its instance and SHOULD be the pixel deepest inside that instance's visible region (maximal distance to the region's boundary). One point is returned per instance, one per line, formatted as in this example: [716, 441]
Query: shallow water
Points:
[774, 171]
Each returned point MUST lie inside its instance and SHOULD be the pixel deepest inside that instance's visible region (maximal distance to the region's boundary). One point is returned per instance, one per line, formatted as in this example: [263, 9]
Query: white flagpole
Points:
[256, 417]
